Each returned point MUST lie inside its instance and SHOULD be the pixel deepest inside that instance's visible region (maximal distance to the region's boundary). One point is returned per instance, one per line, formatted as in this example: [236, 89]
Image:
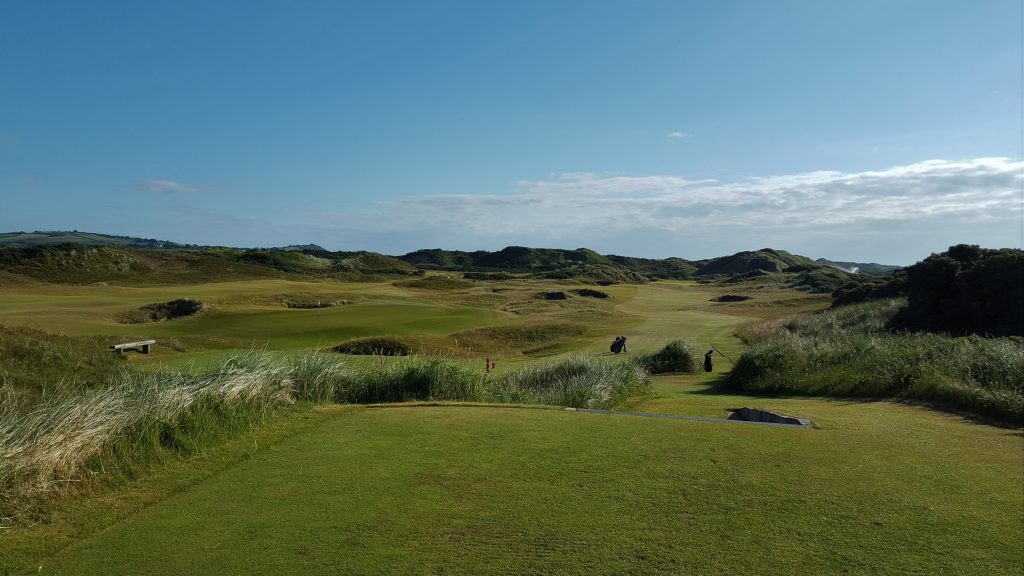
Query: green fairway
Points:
[878, 489]
[249, 314]
[241, 317]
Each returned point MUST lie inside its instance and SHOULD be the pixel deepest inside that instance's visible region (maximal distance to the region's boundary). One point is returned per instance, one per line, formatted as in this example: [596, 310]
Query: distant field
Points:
[250, 314]
[241, 317]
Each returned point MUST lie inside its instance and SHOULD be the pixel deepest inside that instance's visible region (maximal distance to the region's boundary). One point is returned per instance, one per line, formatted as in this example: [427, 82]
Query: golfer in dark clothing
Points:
[708, 366]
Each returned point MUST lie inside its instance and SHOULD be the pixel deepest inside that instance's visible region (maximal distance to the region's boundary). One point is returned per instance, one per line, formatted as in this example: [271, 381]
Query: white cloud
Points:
[591, 183]
[678, 135]
[168, 187]
[933, 203]
[981, 189]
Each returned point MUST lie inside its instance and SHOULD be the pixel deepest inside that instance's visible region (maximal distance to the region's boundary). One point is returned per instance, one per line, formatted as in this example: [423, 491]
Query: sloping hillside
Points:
[53, 238]
[860, 268]
[76, 264]
[764, 259]
[580, 264]
[676, 268]
[509, 259]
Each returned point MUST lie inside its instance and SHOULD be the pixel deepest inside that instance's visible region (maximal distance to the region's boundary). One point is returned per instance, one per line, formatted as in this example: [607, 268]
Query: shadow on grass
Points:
[720, 387]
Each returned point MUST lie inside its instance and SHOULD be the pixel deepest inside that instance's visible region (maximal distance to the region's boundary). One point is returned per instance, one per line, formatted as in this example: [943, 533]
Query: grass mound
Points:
[35, 364]
[162, 311]
[436, 283]
[488, 276]
[677, 356]
[310, 301]
[519, 338]
[848, 352]
[380, 346]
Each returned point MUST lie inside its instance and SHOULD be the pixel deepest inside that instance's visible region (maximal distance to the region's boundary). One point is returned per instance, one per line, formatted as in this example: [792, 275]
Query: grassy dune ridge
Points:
[848, 352]
[34, 364]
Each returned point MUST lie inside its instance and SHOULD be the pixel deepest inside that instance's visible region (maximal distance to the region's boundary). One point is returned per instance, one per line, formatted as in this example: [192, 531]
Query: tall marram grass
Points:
[119, 428]
[578, 382]
[117, 431]
[848, 352]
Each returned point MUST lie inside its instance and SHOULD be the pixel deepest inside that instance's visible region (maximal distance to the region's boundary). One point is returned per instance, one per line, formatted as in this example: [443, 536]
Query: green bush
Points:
[377, 346]
[677, 356]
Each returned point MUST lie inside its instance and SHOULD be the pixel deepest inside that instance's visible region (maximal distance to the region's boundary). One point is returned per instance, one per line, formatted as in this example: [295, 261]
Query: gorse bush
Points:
[847, 352]
[964, 290]
[677, 356]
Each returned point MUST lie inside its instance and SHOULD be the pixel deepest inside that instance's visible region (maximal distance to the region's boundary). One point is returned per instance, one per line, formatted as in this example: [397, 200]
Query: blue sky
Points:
[867, 131]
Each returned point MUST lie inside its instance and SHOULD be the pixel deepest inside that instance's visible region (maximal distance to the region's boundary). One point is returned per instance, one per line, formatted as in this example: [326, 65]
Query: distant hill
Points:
[82, 257]
[301, 247]
[553, 263]
[40, 238]
[860, 268]
[510, 259]
[77, 264]
[765, 259]
[674, 268]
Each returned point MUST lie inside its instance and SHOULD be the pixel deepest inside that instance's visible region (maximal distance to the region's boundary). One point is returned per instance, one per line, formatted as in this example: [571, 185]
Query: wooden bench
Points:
[142, 345]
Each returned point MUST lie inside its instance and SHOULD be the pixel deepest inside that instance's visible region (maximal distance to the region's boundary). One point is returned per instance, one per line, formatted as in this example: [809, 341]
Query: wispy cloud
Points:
[168, 187]
[900, 211]
[678, 135]
[982, 189]
[592, 183]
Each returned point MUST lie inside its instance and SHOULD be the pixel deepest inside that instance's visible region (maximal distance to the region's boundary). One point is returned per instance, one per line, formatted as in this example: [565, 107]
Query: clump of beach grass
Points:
[849, 352]
[121, 427]
[677, 356]
[577, 381]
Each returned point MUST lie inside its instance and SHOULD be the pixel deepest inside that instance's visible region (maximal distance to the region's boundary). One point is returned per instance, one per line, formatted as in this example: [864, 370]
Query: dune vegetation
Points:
[849, 351]
[116, 430]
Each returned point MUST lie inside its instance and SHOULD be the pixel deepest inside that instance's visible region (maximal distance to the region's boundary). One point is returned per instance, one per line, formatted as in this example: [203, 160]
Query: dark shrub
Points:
[553, 295]
[676, 356]
[730, 298]
[591, 293]
[180, 308]
[383, 346]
